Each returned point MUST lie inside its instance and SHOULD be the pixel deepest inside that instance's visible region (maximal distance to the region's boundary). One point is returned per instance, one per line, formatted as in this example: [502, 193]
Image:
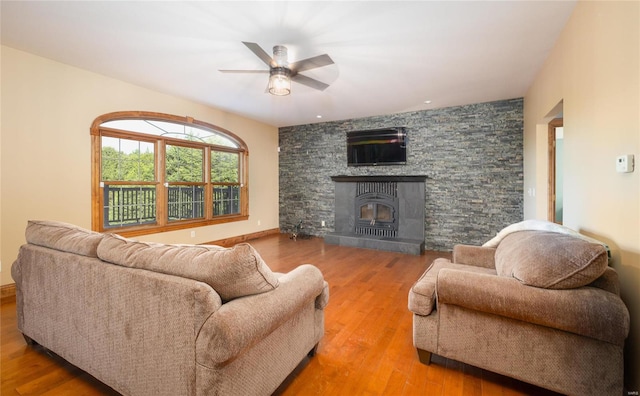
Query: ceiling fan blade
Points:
[311, 63]
[260, 53]
[309, 82]
[242, 71]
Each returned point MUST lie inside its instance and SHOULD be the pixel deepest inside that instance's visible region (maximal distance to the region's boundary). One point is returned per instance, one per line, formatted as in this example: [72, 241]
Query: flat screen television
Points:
[387, 146]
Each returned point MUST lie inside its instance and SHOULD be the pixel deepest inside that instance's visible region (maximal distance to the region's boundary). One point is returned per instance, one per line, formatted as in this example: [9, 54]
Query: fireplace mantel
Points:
[403, 179]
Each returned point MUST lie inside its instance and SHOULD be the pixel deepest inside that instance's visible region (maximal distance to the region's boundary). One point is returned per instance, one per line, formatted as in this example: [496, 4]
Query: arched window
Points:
[156, 172]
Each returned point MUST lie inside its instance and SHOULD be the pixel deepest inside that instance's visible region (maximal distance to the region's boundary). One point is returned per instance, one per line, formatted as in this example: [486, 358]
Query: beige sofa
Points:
[150, 319]
[543, 307]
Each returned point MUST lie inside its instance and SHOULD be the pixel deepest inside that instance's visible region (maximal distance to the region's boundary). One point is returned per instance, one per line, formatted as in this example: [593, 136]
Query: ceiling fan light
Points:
[280, 81]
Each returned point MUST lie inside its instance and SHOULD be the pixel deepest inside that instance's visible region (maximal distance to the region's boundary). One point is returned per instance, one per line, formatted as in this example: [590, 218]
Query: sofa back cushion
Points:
[63, 237]
[232, 272]
[550, 260]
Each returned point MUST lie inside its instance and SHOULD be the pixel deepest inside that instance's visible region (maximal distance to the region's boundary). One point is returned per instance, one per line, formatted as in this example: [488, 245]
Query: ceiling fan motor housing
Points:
[280, 71]
[280, 56]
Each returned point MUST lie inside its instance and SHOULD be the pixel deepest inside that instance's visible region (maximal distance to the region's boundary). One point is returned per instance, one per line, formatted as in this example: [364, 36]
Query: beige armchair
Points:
[542, 307]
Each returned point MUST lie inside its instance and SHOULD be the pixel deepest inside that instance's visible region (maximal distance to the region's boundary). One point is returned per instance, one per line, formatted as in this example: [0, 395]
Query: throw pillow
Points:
[550, 260]
[63, 236]
[232, 272]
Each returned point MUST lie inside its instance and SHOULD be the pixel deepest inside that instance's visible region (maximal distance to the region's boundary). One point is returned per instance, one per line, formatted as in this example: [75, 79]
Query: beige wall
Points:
[594, 70]
[47, 109]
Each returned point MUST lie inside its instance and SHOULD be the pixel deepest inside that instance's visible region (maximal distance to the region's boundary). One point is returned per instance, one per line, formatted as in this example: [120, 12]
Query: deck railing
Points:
[136, 205]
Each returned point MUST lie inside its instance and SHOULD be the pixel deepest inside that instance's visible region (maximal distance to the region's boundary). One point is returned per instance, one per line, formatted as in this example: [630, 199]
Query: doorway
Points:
[556, 157]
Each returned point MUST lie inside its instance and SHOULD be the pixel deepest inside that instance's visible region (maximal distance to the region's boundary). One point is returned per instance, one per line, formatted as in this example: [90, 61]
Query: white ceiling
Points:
[390, 56]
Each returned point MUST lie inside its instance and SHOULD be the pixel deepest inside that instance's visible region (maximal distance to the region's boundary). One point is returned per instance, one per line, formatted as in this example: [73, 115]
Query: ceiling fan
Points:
[281, 72]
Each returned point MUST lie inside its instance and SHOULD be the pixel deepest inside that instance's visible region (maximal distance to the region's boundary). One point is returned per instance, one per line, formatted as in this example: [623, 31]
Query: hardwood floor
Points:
[367, 348]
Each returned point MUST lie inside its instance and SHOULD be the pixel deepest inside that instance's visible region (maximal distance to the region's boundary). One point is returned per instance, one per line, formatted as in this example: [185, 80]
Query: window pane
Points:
[226, 200]
[129, 205]
[173, 130]
[186, 202]
[127, 160]
[225, 167]
[184, 164]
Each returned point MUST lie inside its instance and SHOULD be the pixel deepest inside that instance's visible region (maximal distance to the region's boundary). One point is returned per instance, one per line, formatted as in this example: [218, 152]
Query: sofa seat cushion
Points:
[63, 237]
[550, 260]
[231, 272]
[422, 296]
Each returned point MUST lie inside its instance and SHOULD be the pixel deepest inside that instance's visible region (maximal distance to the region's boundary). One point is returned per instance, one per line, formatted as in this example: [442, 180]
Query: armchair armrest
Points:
[587, 311]
[422, 296]
[474, 255]
[244, 321]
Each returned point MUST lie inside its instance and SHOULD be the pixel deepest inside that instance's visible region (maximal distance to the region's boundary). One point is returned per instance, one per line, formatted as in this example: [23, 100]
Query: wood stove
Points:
[376, 209]
[379, 212]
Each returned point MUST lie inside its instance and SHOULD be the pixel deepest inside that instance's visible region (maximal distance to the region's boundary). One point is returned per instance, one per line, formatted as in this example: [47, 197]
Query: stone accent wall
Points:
[472, 156]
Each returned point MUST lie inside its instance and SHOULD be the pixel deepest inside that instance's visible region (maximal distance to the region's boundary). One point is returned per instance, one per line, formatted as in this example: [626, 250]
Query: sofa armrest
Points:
[474, 255]
[586, 311]
[243, 322]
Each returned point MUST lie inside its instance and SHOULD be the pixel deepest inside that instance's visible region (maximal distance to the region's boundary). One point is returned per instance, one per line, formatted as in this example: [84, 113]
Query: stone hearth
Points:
[380, 212]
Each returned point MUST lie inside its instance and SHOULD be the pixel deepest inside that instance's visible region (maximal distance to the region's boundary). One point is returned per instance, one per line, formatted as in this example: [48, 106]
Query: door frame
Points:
[551, 213]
